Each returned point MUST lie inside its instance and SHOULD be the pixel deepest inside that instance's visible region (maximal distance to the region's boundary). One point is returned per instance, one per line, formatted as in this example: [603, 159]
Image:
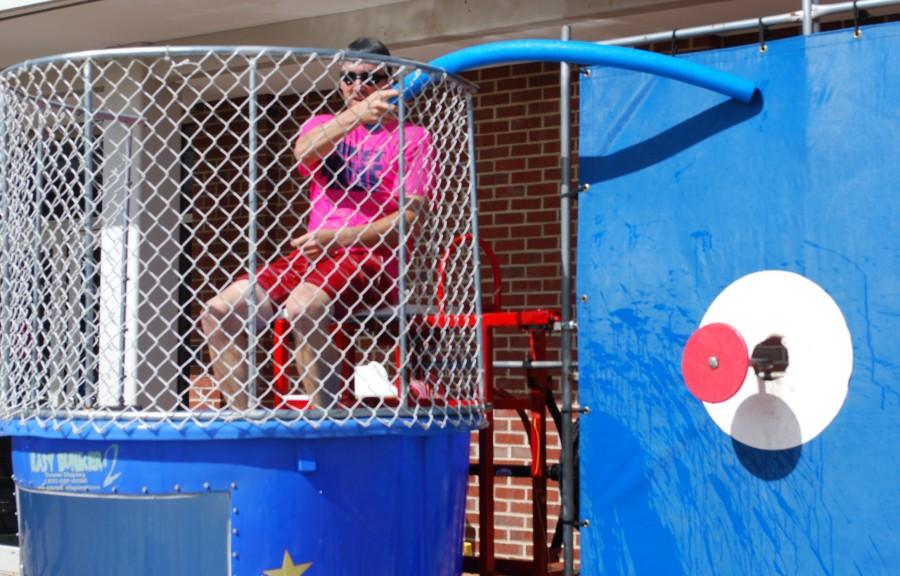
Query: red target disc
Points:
[715, 362]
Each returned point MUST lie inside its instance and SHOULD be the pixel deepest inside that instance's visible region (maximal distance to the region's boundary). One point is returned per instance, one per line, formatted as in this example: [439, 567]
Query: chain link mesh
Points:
[148, 196]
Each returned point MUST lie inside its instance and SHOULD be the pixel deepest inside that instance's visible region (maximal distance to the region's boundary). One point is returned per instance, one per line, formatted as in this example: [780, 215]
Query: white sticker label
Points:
[93, 469]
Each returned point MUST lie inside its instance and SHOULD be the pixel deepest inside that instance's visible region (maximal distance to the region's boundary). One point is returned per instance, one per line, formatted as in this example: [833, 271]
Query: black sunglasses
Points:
[367, 78]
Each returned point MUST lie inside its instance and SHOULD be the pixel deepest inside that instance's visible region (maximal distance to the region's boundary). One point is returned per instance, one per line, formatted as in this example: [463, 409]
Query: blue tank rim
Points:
[221, 430]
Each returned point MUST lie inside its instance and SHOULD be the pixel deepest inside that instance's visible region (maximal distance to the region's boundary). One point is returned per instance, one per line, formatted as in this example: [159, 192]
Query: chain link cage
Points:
[154, 201]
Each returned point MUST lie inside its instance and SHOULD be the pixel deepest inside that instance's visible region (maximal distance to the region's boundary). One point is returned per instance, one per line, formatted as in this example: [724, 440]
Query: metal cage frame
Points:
[85, 218]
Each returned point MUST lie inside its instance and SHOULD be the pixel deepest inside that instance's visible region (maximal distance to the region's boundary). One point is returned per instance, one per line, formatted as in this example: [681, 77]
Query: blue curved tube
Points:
[586, 53]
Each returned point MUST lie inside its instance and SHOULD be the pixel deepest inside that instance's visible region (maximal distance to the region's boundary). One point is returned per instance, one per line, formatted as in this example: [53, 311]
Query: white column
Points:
[156, 176]
[139, 244]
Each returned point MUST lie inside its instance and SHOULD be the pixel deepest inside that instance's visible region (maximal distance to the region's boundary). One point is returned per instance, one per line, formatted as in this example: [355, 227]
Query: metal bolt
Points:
[234, 554]
[713, 362]
[115, 490]
[586, 410]
[584, 297]
[234, 531]
[585, 71]
[178, 488]
[584, 187]
[234, 485]
[144, 489]
[206, 485]
[585, 523]
[234, 510]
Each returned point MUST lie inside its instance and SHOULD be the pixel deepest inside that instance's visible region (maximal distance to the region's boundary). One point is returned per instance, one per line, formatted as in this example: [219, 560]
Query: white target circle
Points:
[793, 409]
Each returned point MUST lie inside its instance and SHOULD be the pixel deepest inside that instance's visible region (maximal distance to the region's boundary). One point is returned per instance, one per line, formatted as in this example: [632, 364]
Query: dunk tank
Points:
[138, 184]
[736, 288]
[738, 283]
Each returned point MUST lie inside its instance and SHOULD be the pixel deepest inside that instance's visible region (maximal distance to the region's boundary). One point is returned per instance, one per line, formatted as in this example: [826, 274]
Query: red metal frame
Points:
[281, 357]
[537, 324]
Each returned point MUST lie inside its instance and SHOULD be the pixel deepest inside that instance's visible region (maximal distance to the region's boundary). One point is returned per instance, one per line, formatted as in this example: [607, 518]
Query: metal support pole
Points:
[88, 268]
[123, 285]
[823, 10]
[476, 239]
[816, 27]
[806, 6]
[565, 216]
[4, 280]
[252, 244]
[36, 269]
[401, 247]
[722, 28]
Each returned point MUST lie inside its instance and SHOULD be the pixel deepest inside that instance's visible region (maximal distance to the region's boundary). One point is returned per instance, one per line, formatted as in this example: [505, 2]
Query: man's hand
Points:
[315, 244]
[375, 106]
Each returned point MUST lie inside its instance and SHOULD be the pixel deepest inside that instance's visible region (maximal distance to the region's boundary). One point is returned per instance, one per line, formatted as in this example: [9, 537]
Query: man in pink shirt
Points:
[346, 262]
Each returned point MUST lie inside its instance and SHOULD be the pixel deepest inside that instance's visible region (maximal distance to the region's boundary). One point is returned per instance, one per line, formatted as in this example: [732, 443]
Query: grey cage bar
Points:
[138, 184]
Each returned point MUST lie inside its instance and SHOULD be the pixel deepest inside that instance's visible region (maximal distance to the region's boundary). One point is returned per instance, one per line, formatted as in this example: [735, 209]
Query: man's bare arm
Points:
[319, 142]
[385, 230]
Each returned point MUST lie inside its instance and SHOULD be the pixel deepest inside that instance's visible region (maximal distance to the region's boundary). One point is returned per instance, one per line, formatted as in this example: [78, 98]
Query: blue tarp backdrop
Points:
[690, 191]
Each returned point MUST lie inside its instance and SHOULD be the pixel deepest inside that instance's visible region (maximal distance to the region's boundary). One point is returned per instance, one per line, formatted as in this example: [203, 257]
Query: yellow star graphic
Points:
[288, 568]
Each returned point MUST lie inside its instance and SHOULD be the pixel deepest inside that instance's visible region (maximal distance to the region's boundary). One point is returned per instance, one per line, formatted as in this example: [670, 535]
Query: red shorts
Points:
[353, 279]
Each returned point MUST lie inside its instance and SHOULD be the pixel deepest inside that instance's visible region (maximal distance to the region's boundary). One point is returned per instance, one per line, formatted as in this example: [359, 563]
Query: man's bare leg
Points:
[309, 310]
[224, 321]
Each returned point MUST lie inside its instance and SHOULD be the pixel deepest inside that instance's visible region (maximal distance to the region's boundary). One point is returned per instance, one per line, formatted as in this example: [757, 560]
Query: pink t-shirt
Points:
[360, 181]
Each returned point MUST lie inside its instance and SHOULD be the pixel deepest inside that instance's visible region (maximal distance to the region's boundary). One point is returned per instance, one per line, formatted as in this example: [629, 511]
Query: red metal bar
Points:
[486, 465]
[538, 381]
[281, 357]
[521, 319]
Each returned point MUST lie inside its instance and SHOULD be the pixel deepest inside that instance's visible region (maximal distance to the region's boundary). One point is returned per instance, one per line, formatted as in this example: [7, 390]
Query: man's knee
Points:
[221, 312]
[214, 314]
[307, 302]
